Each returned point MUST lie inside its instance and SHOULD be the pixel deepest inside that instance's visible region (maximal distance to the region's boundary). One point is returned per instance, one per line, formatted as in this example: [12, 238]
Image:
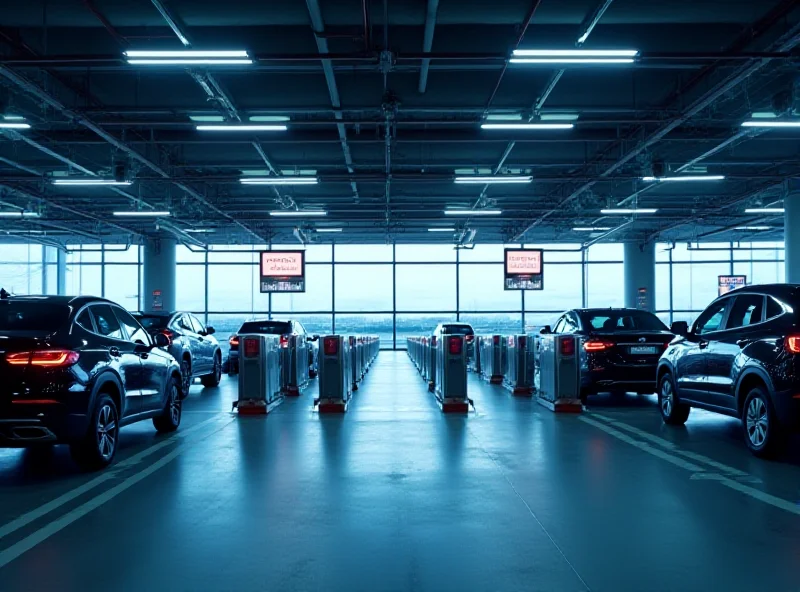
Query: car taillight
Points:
[284, 341]
[792, 344]
[234, 341]
[330, 345]
[252, 347]
[168, 334]
[596, 345]
[455, 345]
[50, 358]
[568, 346]
[470, 338]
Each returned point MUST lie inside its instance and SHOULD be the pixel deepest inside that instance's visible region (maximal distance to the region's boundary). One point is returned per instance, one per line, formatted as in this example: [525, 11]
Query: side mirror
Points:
[160, 340]
[680, 328]
[210, 330]
[141, 348]
[546, 330]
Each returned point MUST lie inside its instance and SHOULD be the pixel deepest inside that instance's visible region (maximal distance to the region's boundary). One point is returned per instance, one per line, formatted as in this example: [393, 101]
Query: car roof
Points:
[609, 309]
[778, 290]
[74, 301]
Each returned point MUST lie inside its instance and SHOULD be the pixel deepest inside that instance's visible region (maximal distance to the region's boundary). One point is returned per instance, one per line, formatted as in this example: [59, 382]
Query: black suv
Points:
[740, 358]
[74, 370]
[190, 342]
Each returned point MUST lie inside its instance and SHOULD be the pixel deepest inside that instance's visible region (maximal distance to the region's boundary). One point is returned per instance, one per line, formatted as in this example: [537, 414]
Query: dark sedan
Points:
[621, 348]
[741, 358]
[74, 370]
[190, 342]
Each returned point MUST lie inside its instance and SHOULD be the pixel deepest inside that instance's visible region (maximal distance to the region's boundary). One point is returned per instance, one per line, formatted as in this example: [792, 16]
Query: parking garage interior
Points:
[153, 153]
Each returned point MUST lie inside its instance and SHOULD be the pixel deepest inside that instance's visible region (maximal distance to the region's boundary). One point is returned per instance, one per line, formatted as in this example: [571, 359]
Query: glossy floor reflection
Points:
[396, 496]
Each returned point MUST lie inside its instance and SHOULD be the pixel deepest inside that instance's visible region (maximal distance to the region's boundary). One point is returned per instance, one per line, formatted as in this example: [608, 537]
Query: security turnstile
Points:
[559, 372]
[520, 368]
[295, 359]
[259, 374]
[451, 374]
[492, 358]
[335, 373]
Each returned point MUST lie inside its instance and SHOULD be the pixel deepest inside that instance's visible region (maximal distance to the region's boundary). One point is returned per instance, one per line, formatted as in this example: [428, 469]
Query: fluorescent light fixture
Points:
[83, 182]
[764, 115]
[621, 211]
[269, 118]
[473, 212]
[5, 125]
[754, 228]
[494, 179]
[441, 229]
[206, 118]
[296, 213]
[279, 181]
[199, 230]
[526, 126]
[241, 128]
[559, 116]
[143, 213]
[186, 53]
[19, 214]
[764, 211]
[571, 61]
[576, 53]
[591, 228]
[767, 123]
[10, 117]
[504, 117]
[190, 62]
[23, 231]
[678, 179]
[329, 229]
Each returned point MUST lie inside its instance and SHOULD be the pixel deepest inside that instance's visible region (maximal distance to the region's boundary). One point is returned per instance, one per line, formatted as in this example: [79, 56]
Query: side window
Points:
[559, 328]
[107, 324]
[575, 324]
[85, 320]
[197, 326]
[186, 324]
[300, 329]
[711, 319]
[747, 310]
[132, 328]
[773, 308]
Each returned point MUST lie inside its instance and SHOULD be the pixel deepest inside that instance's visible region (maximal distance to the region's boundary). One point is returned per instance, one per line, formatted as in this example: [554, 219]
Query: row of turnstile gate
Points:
[547, 366]
[270, 370]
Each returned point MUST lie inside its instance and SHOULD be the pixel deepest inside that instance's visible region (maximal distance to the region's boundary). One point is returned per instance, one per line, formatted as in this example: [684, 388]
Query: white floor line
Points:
[109, 474]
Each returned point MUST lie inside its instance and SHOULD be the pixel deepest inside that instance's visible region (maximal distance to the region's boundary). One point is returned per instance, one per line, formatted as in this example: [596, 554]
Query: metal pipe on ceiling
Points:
[367, 26]
[427, 43]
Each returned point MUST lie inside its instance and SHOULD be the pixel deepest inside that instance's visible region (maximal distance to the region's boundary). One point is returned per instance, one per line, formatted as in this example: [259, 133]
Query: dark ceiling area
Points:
[383, 103]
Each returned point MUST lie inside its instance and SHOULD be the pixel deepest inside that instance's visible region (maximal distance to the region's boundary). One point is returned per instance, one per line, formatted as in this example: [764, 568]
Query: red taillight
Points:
[49, 358]
[252, 347]
[496, 340]
[169, 335]
[596, 345]
[284, 341]
[792, 344]
[330, 345]
[568, 346]
[455, 346]
[470, 338]
[234, 341]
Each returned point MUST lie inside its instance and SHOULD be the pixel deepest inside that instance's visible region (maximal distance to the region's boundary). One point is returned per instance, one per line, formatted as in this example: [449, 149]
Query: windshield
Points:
[32, 316]
[622, 320]
[266, 327]
[151, 322]
[457, 330]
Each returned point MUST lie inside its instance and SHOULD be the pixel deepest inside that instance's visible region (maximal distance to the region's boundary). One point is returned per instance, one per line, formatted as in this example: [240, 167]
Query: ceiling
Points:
[385, 100]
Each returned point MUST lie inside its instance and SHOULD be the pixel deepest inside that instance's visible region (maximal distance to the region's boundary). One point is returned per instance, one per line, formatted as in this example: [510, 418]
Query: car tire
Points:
[213, 379]
[186, 377]
[96, 450]
[170, 418]
[762, 431]
[673, 412]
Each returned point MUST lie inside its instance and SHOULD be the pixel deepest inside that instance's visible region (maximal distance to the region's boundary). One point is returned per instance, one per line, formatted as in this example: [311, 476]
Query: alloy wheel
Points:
[667, 399]
[757, 422]
[186, 378]
[174, 405]
[217, 368]
[106, 431]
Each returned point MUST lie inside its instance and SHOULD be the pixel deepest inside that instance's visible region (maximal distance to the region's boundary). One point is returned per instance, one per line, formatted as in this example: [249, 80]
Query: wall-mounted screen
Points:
[283, 271]
[524, 269]
[731, 282]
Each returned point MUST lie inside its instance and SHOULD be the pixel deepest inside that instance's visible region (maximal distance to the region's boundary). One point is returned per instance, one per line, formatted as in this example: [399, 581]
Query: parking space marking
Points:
[110, 473]
[698, 472]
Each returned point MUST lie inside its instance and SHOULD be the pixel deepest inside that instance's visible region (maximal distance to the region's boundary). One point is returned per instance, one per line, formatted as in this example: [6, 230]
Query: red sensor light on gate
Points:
[496, 340]
[330, 345]
[251, 347]
[568, 347]
[455, 345]
[284, 341]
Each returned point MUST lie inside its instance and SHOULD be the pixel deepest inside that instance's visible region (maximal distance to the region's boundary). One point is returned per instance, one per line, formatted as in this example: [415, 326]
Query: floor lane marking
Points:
[698, 472]
[111, 473]
[676, 449]
[45, 532]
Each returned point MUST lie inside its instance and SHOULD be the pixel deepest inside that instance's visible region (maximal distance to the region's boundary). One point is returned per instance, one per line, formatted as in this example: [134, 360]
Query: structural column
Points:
[159, 275]
[639, 262]
[791, 231]
[61, 272]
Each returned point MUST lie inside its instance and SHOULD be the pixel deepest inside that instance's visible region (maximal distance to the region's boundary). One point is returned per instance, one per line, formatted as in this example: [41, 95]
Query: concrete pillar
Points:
[791, 232]
[159, 275]
[639, 263]
[61, 272]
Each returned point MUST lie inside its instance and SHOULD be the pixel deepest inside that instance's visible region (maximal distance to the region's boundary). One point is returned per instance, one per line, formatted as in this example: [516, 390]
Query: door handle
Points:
[113, 352]
[744, 342]
[702, 344]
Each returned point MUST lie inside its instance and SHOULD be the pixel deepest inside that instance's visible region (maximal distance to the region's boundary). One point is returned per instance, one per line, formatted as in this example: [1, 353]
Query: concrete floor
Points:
[396, 496]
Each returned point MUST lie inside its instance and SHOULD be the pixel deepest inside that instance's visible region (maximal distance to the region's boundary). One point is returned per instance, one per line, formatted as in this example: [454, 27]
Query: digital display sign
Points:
[283, 271]
[731, 282]
[524, 269]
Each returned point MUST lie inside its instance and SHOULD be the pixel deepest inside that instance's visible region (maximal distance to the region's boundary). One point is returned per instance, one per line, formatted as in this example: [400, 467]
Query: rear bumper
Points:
[618, 378]
[787, 408]
[21, 431]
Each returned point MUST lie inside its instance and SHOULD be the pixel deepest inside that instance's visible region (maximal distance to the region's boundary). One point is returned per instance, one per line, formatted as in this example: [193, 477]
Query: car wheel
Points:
[170, 418]
[97, 448]
[673, 412]
[212, 380]
[762, 432]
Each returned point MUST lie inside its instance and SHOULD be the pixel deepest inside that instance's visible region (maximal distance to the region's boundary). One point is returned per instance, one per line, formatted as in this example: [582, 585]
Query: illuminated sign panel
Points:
[283, 271]
[524, 269]
[731, 282]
